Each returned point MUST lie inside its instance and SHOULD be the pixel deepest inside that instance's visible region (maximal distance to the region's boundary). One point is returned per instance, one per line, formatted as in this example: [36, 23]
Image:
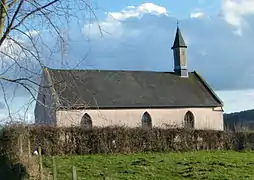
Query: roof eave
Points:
[174, 47]
[131, 107]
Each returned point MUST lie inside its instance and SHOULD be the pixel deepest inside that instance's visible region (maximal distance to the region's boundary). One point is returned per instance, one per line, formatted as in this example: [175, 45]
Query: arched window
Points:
[189, 120]
[86, 122]
[146, 121]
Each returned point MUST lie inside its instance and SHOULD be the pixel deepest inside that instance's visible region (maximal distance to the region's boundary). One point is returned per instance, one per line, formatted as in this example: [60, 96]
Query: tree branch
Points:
[33, 12]
[9, 27]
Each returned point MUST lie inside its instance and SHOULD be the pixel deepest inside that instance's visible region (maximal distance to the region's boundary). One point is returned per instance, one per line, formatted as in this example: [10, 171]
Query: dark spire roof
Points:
[179, 42]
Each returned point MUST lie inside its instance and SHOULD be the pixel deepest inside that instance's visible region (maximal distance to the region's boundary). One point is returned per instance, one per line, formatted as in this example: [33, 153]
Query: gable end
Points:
[208, 88]
[52, 88]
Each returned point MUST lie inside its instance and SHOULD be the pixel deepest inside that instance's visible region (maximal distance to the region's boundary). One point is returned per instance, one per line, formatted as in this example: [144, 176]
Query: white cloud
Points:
[11, 54]
[138, 11]
[235, 11]
[197, 14]
[113, 22]
[10, 50]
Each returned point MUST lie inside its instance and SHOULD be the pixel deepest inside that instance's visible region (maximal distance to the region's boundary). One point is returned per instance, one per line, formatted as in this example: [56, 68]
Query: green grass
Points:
[192, 165]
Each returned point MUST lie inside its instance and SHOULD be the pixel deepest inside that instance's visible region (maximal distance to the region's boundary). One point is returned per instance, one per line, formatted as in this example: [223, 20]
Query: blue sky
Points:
[180, 8]
[138, 35]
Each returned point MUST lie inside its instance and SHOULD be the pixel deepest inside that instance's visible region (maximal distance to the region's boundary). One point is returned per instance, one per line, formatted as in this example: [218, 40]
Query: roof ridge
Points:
[108, 70]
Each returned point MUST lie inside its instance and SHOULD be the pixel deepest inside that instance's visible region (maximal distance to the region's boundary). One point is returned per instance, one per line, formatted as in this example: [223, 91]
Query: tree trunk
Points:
[3, 11]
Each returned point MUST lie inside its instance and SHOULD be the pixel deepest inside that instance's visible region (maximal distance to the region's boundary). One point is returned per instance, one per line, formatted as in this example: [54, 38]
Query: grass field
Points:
[191, 165]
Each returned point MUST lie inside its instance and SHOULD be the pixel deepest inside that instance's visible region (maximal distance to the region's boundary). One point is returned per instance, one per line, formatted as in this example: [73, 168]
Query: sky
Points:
[137, 35]
[179, 8]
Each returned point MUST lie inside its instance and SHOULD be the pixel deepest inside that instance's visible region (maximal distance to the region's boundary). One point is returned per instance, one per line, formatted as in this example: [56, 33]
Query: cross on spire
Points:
[177, 23]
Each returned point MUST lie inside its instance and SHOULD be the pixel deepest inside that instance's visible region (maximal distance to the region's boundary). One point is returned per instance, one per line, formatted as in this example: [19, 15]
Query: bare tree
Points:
[22, 46]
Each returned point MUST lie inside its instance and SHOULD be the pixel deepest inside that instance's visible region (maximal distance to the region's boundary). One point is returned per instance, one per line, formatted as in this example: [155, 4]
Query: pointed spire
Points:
[179, 42]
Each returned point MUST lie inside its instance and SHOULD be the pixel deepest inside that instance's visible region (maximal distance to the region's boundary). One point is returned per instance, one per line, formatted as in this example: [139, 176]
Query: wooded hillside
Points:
[239, 119]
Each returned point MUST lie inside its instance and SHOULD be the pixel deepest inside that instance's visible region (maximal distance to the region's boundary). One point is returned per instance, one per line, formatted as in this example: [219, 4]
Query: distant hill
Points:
[239, 119]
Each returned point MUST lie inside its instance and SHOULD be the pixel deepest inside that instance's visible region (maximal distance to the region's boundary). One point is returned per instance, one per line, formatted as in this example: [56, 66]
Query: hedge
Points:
[75, 140]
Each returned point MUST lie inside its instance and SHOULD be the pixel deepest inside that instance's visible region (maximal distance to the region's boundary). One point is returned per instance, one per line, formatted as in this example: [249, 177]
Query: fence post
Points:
[29, 151]
[74, 173]
[20, 145]
[40, 164]
[54, 168]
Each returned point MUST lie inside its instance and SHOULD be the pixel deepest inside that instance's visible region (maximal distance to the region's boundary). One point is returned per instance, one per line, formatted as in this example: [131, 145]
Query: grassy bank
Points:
[197, 165]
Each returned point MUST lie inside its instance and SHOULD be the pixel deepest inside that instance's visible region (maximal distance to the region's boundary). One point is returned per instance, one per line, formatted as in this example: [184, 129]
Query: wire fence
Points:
[27, 165]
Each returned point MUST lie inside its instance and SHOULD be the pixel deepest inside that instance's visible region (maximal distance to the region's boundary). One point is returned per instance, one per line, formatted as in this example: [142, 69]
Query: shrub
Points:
[75, 140]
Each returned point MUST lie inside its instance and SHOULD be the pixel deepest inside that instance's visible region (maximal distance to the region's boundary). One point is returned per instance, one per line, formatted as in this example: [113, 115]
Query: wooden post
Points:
[74, 173]
[29, 151]
[54, 168]
[40, 164]
[20, 145]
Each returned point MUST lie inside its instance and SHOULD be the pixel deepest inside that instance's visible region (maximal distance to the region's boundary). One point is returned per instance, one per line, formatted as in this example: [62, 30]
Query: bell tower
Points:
[179, 50]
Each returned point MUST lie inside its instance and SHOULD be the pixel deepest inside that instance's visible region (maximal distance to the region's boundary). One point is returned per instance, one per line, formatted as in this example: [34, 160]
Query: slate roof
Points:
[129, 89]
[179, 41]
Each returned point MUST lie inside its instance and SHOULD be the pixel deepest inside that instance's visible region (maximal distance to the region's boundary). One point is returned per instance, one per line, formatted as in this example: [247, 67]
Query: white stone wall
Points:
[205, 118]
